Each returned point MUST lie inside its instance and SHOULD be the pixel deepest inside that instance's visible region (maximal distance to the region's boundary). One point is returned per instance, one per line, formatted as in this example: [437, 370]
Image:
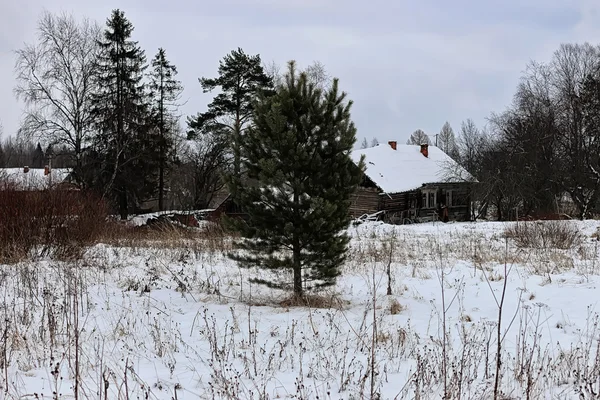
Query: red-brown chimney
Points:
[393, 144]
[425, 149]
[46, 170]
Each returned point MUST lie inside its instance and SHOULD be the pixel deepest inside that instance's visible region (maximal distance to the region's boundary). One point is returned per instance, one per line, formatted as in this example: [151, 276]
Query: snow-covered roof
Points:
[34, 179]
[406, 168]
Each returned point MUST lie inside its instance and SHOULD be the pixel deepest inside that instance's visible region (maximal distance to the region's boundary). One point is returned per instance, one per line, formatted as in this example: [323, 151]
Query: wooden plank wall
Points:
[364, 201]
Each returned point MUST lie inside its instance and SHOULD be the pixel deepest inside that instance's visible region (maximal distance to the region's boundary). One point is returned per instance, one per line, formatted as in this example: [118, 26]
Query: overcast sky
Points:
[406, 64]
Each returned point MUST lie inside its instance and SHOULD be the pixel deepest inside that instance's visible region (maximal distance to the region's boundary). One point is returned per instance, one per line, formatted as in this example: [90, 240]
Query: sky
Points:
[405, 64]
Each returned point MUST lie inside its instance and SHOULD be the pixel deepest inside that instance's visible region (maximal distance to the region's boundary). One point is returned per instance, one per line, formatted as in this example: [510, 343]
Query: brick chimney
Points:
[425, 149]
[25, 169]
[393, 144]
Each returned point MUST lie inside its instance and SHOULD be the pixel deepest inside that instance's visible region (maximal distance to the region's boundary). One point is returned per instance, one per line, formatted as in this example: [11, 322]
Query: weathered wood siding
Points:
[364, 201]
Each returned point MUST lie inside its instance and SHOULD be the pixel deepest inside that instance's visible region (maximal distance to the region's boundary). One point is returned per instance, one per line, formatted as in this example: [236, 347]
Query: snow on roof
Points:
[407, 169]
[34, 179]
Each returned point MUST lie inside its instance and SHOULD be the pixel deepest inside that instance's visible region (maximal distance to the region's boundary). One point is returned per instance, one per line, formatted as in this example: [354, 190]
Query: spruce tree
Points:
[122, 155]
[165, 90]
[38, 157]
[241, 78]
[300, 180]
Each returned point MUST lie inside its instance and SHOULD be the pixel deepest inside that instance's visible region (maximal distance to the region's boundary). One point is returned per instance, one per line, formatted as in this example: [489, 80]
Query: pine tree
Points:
[297, 154]
[124, 143]
[165, 90]
[374, 142]
[241, 78]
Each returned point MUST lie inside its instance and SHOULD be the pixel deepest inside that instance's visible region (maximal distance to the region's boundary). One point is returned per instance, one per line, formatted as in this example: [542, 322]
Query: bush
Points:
[545, 234]
[56, 223]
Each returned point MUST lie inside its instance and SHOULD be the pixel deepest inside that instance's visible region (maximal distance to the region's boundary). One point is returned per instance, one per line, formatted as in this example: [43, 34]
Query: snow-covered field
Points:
[170, 322]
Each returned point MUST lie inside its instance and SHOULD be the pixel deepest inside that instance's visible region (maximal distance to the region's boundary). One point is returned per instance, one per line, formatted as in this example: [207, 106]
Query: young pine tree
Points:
[122, 159]
[297, 157]
[165, 90]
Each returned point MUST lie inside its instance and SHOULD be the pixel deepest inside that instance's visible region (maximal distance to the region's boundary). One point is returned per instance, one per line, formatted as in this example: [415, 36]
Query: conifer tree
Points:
[297, 156]
[122, 158]
[241, 78]
[38, 157]
[165, 90]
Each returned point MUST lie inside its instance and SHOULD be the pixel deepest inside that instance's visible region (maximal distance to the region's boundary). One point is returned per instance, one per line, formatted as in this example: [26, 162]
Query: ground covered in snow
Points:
[155, 321]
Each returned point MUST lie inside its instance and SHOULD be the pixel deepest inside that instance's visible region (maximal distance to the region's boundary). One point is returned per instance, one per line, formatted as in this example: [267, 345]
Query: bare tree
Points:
[364, 144]
[419, 137]
[55, 78]
[469, 145]
[273, 71]
[316, 72]
[198, 178]
[447, 141]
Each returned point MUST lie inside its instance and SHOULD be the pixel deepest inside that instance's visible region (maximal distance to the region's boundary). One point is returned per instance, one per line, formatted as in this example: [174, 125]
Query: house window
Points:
[429, 197]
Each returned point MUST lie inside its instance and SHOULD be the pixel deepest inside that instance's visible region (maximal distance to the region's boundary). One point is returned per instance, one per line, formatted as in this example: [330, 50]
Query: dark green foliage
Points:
[590, 106]
[123, 161]
[300, 180]
[164, 91]
[241, 78]
[38, 157]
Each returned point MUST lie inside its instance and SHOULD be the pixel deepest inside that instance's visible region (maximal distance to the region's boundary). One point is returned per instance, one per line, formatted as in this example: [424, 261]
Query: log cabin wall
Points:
[364, 201]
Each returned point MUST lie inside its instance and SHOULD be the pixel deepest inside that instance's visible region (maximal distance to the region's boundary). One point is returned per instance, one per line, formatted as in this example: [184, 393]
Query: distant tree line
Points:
[541, 155]
[96, 104]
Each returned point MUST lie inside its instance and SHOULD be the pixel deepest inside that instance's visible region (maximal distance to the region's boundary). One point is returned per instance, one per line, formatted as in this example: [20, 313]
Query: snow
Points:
[184, 322]
[34, 179]
[407, 169]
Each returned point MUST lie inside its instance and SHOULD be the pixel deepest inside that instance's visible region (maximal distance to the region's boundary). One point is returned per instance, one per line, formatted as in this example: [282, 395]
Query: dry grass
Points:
[314, 301]
[167, 236]
[562, 235]
[396, 307]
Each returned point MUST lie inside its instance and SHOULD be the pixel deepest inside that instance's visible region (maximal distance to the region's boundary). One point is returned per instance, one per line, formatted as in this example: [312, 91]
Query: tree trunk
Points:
[298, 290]
[123, 203]
[161, 185]
[297, 265]
[161, 165]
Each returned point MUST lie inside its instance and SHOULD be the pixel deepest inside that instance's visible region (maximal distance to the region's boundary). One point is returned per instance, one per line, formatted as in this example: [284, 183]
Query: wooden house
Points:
[411, 183]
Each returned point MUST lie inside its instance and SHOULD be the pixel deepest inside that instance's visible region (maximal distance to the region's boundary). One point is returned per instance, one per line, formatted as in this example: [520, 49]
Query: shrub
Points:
[545, 234]
[57, 223]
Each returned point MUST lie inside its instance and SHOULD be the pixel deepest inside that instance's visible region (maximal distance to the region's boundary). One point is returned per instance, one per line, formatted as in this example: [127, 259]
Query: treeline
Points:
[541, 155]
[91, 92]
[95, 103]
[18, 154]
